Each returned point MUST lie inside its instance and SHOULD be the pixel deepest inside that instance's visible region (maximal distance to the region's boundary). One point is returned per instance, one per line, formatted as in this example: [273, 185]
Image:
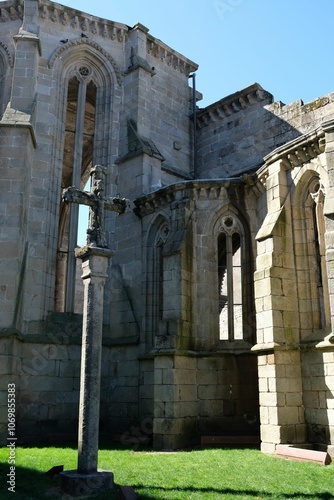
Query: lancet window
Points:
[314, 208]
[230, 249]
[77, 160]
[3, 65]
[155, 283]
[233, 280]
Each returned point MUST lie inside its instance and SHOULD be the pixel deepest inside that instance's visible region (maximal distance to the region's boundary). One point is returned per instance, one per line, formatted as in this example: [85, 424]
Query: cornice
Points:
[11, 11]
[299, 151]
[87, 24]
[92, 25]
[173, 194]
[232, 104]
[66, 16]
[172, 58]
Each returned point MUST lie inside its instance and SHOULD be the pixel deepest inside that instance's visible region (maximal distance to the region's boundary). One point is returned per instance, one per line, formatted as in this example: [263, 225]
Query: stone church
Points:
[219, 301]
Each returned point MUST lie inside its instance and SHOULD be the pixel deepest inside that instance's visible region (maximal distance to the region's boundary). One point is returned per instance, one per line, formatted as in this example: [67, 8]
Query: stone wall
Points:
[47, 379]
[260, 165]
[318, 390]
[202, 395]
[175, 419]
[227, 395]
[281, 401]
[237, 132]
[231, 136]
[47, 388]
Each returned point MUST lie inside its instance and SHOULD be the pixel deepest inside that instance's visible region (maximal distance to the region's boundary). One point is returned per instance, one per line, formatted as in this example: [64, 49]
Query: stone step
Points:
[302, 454]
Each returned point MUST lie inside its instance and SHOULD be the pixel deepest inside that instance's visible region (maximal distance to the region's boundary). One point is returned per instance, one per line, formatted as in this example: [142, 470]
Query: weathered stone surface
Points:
[173, 350]
[78, 485]
[303, 454]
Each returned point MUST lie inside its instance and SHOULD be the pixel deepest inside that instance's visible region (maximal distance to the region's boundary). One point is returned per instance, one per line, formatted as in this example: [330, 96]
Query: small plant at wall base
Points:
[197, 475]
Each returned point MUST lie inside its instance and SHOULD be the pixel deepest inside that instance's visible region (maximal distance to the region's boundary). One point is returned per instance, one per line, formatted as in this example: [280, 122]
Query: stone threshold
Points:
[303, 453]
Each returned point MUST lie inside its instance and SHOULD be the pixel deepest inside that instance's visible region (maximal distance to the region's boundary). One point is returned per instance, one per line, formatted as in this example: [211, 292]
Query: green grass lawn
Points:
[196, 475]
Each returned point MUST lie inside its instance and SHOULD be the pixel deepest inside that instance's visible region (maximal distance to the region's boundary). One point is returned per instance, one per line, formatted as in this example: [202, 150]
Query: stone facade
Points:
[219, 301]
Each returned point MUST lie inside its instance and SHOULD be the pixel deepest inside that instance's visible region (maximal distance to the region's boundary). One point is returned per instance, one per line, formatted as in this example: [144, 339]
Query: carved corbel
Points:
[85, 25]
[13, 13]
[294, 160]
[105, 31]
[75, 23]
[65, 19]
[54, 16]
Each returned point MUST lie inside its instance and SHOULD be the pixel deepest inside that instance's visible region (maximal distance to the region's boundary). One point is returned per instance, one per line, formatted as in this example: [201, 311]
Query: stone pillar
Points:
[281, 398]
[278, 321]
[17, 133]
[328, 342]
[87, 479]
[27, 53]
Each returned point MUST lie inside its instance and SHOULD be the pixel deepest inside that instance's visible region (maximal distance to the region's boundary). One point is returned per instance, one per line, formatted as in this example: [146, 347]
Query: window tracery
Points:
[315, 202]
[77, 158]
[230, 279]
[158, 236]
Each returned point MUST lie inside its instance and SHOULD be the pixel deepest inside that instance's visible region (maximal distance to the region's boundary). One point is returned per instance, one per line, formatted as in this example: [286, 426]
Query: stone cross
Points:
[97, 202]
[88, 479]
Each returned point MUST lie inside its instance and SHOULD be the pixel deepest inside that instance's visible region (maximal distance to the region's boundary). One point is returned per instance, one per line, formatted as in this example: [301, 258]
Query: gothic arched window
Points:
[155, 279]
[6, 64]
[234, 292]
[315, 228]
[77, 158]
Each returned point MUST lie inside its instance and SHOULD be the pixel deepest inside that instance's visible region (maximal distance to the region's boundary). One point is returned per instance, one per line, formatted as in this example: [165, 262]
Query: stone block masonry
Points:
[173, 366]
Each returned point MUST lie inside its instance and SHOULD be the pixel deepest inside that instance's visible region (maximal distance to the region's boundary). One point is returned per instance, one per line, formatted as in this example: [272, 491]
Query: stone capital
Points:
[90, 251]
[95, 262]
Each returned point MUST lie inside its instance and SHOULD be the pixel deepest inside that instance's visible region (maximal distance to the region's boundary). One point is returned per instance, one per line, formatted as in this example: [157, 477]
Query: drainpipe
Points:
[193, 76]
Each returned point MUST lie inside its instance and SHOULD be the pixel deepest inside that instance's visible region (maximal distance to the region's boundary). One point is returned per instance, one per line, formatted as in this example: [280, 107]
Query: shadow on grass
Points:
[325, 495]
[35, 485]
[29, 483]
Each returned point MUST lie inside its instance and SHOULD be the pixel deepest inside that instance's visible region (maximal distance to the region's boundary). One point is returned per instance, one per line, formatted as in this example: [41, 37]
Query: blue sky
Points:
[284, 45]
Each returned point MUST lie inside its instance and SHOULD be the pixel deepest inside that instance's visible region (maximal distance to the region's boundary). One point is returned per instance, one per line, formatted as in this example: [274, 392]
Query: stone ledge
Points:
[302, 454]
[241, 100]
[327, 343]
[16, 122]
[268, 346]
[274, 346]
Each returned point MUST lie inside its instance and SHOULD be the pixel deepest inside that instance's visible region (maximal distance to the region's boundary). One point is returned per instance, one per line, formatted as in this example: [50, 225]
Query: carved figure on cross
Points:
[97, 203]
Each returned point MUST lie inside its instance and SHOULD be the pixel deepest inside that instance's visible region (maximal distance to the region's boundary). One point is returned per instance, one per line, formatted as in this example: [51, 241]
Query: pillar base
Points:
[76, 484]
